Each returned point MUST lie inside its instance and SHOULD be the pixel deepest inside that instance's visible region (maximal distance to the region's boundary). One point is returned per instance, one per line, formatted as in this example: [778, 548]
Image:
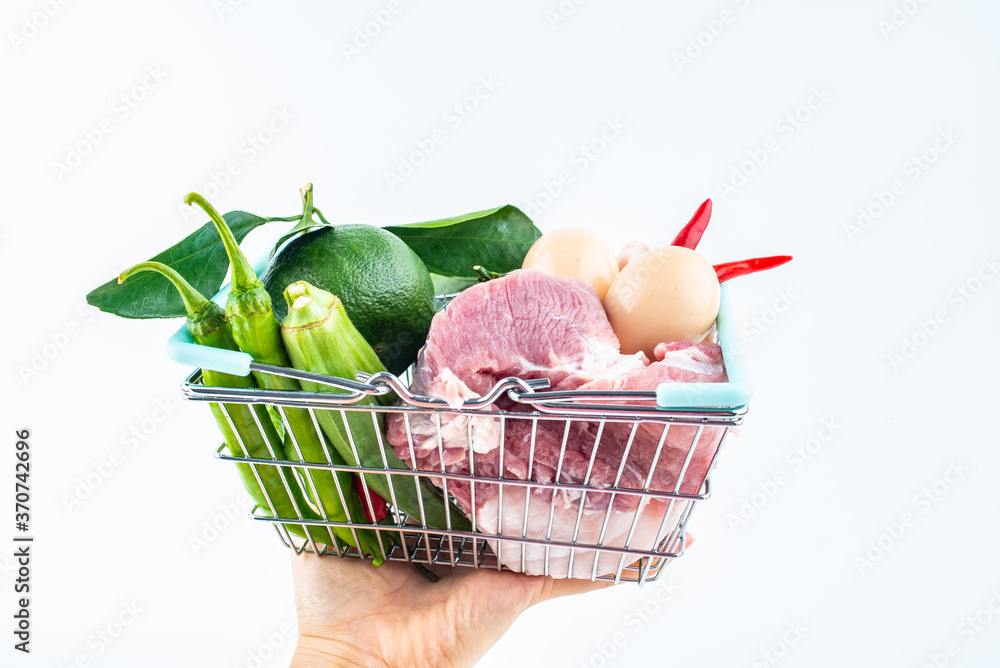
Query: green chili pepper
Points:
[258, 334]
[248, 431]
[320, 338]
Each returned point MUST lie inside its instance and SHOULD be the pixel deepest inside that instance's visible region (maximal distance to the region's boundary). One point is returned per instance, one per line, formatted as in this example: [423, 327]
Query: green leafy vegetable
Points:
[497, 238]
[200, 258]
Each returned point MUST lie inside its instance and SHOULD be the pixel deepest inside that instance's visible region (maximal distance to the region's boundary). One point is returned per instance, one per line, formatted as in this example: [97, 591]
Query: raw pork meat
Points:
[531, 325]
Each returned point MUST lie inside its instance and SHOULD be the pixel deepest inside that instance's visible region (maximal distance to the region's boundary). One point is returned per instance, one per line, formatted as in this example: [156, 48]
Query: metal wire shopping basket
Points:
[619, 531]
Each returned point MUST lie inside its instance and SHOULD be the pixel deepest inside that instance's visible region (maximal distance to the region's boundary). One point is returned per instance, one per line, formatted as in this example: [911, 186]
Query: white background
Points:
[689, 128]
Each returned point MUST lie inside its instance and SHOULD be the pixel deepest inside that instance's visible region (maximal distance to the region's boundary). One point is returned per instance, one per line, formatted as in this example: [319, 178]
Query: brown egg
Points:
[574, 251]
[666, 294]
[629, 251]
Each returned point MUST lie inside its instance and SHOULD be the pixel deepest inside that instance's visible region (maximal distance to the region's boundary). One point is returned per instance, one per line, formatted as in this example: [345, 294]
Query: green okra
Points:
[320, 338]
[257, 333]
[273, 488]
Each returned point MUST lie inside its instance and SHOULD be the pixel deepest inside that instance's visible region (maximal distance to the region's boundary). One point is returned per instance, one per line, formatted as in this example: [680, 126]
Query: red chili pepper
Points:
[690, 235]
[379, 504]
[728, 270]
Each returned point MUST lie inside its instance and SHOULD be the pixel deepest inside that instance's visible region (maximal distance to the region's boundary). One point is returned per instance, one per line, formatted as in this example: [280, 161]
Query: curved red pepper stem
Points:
[728, 270]
[691, 233]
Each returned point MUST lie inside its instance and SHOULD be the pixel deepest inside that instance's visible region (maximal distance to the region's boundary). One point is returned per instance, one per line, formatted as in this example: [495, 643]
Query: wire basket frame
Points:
[624, 527]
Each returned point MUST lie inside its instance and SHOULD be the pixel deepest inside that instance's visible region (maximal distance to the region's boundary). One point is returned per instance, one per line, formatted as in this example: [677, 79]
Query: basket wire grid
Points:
[409, 538]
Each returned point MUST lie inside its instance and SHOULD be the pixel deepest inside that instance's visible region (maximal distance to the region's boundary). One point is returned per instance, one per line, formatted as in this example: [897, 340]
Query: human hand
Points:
[351, 614]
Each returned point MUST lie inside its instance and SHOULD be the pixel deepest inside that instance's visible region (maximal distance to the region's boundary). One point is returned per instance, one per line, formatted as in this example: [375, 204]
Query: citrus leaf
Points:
[304, 225]
[199, 257]
[450, 285]
[497, 238]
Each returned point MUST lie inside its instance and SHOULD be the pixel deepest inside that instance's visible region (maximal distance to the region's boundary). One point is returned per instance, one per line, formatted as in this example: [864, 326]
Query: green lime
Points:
[385, 288]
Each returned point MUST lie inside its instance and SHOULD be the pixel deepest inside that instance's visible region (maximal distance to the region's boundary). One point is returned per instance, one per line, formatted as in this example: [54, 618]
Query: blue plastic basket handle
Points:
[736, 392]
[182, 349]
